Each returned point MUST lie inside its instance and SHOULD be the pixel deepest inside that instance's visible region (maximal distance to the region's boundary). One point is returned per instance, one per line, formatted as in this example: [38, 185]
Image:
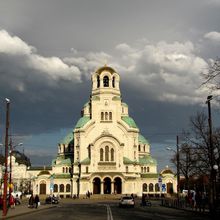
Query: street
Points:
[94, 209]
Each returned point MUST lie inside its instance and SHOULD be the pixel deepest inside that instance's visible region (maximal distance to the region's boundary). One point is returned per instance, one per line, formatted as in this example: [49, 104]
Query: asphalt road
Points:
[109, 210]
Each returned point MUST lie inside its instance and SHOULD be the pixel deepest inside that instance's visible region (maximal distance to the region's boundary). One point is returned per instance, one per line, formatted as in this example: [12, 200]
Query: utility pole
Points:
[211, 158]
[178, 167]
[4, 208]
[10, 173]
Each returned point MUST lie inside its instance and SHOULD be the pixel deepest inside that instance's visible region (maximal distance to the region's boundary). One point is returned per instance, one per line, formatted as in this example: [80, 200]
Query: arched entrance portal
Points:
[43, 187]
[96, 186]
[117, 185]
[107, 185]
[169, 188]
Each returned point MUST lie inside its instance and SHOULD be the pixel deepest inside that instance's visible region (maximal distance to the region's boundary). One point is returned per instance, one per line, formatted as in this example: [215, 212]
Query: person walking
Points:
[31, 201]
[36, 201]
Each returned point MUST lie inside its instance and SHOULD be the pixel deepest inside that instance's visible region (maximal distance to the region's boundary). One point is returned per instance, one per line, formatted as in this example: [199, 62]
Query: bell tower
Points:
[105, 81]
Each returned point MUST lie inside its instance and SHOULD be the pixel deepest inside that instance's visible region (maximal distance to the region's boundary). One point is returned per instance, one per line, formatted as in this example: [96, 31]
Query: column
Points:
[112, 187]
[102, 187]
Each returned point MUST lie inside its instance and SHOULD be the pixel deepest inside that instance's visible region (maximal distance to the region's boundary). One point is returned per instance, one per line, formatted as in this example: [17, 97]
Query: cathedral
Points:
[105, 153]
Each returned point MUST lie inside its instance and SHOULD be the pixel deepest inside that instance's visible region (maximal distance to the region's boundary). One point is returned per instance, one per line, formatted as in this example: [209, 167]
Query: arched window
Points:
[139, 147]
[144, 148]
[126, 169]
[55, 188]
[151, 187]
[61, 188]
[112, 154]
[144, 169]
[101, 154]
[106, 153]
[87, 169]
[67, 169]
[67, 187]
[148, 169]
[63, 169]
[106, 116]
[113, 82]
[98, 82]
[102, 116]
[157, 188]
[144, 187]
[110, 116]
[105, 81]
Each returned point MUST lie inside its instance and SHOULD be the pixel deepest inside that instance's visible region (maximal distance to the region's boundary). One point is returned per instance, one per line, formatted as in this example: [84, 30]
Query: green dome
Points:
[147, 160]
[82, 121]
[142, 139]
[68, 139]
[129, 121]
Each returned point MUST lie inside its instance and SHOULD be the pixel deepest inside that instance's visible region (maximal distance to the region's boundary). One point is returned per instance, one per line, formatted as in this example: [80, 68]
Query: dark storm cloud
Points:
[48, 50]
[47, 93]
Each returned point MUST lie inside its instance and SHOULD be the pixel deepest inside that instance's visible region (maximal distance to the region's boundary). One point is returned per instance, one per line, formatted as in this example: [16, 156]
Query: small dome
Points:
[44, 172]
[167, 171]
[105, 68]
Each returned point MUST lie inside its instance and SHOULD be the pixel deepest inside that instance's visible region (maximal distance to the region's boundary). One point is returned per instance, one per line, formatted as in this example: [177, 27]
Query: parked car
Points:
[126, 201]
[17, 194]
[51, 200]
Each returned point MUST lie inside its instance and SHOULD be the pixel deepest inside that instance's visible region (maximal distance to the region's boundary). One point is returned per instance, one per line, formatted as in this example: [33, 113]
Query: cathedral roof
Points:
[82, 121]
[44, 172]
[86, 161]
[167, 170]
[129, 121]
[66, 162]
[68, 139]
[142, 139]
[127, 161]
[147, 160]
[105, 68]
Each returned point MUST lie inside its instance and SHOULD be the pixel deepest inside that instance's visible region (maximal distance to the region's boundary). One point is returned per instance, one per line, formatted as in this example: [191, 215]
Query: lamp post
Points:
[4, 208]
[10, 173]
[71, 180]
[177, 165]
[78, 180]
[212, 187]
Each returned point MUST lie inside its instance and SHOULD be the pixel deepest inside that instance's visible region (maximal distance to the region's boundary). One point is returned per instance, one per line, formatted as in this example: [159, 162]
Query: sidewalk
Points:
[23, 209]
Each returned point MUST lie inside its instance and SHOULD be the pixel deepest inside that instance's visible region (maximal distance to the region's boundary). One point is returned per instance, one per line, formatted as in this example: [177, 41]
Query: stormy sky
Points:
[49, 48]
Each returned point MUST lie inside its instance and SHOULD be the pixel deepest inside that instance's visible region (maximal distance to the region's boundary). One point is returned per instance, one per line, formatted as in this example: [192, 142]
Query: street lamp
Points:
[4, 208]
[177, 165]
[10, 174]
[78, 180]
[71, 179]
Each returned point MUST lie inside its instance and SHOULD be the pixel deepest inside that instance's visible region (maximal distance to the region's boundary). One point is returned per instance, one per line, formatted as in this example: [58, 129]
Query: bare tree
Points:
[212, 76]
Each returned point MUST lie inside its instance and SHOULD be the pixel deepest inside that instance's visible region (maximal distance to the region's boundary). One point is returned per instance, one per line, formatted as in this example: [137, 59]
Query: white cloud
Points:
[166, 71]
[22, 59]
[214, 36]
[13, 45]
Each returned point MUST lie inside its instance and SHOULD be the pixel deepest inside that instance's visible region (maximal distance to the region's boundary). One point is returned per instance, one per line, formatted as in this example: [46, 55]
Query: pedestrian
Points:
[143, 200]
[31, 201]
[1, 201]
[12, 201]
[203, 201]
[198, 198]
[36, 201]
